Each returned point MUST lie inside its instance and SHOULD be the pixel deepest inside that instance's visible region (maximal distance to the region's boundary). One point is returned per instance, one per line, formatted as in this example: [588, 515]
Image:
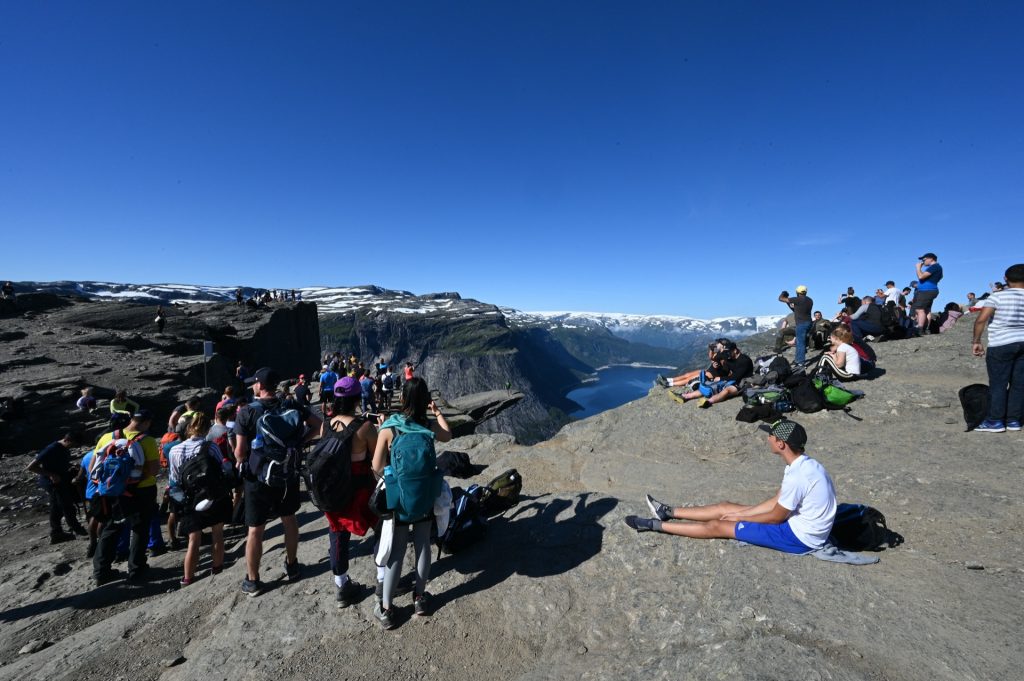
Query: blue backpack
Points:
[414, 464]
[118, 465]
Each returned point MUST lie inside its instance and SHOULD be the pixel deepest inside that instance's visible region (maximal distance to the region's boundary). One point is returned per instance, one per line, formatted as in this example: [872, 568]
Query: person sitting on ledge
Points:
[736, 365]
[715, 371]
[798, 519]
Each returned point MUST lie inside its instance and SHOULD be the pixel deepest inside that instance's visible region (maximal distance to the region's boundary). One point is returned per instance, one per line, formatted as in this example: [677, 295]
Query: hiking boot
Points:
[384, 616]
[661, 511]
[252, 587]
[639, 524]
[1013, 425]
[421, 605]
[60, 538]
[661, 380]
[345, 594]
[139, 576]
[704, 403]
[988, 426]
[292, 570]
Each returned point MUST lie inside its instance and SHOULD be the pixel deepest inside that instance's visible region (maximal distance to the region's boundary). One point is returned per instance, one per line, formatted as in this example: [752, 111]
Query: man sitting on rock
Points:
[715, 371]
[797, 519]
[736, 366]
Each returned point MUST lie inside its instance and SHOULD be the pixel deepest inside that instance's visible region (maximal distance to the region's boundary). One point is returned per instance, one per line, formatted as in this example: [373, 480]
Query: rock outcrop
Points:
[562, 589]
[53, 346]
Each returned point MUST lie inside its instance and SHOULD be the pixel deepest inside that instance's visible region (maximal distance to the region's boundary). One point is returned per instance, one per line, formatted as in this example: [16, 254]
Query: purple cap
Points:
[347, 387]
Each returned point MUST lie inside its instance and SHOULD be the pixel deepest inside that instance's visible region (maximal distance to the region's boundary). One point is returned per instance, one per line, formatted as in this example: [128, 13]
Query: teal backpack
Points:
[414, 464]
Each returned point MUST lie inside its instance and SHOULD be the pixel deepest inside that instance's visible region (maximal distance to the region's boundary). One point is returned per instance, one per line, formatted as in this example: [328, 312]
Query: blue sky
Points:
[657, 157]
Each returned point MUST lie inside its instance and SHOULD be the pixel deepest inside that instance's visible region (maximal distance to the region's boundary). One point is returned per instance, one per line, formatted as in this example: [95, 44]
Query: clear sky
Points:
[688, 158]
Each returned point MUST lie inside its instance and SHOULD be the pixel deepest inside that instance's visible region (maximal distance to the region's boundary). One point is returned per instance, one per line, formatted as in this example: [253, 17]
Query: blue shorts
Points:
[709, 389]
[779, 537]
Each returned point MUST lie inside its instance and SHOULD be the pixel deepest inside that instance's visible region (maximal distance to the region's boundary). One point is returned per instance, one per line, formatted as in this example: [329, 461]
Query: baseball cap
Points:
[801, 289]
[929, 255]
[143, 415]
[790, 432]
[347, 387]
[264, 376]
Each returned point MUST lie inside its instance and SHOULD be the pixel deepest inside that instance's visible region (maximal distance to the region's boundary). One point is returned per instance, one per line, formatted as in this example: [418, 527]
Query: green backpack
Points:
[836, 396]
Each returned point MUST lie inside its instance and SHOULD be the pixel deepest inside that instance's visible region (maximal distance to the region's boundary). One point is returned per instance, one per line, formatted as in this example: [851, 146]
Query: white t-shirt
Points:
[852, 365]
[1007, 325]
[892, 295]
[807, 491]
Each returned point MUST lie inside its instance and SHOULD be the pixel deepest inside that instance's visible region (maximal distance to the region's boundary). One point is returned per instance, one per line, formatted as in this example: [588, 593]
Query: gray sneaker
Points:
[252, 587]
[661, 380]
[661, 511]
[383, 616]
[344, 595]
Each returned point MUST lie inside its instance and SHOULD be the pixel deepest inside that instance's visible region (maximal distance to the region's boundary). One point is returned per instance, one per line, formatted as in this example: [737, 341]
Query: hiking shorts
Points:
[263, 502]
[923, 300]
[709, 389]
[779, 537]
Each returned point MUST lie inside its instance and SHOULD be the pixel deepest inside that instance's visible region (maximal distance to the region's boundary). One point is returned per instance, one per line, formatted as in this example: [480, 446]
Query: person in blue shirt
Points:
[327, 380]
[90, 492]
[929, 273]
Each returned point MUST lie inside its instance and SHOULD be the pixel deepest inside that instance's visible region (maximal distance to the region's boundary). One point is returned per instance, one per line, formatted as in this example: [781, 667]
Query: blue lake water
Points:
[614, 387]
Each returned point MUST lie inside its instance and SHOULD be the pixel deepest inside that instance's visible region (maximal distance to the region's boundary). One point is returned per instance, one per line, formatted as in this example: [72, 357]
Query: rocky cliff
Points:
[562, 589]
[53, 346]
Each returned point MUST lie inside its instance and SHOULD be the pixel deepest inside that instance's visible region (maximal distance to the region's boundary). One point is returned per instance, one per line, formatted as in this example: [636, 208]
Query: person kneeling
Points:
[798, 519]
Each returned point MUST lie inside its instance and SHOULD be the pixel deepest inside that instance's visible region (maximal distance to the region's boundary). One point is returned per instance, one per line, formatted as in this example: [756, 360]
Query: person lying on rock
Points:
[798, 519]
[736, 365]
[715, 371]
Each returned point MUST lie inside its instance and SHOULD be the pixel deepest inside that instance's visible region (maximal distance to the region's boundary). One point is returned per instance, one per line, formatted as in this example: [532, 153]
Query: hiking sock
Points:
[339, 580]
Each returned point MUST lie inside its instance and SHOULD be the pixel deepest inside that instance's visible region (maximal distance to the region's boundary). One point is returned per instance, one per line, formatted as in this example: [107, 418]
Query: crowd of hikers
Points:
[364, 444]
[368, 465]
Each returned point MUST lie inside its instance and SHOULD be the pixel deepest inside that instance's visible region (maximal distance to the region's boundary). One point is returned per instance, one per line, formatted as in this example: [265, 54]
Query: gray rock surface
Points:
[562, 589]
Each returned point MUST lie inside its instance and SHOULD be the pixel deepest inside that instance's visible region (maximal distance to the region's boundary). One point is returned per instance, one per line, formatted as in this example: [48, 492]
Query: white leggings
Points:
[400, 538]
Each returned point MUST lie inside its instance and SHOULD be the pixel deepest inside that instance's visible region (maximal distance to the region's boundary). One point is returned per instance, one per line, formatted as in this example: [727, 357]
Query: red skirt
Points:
[357, 518]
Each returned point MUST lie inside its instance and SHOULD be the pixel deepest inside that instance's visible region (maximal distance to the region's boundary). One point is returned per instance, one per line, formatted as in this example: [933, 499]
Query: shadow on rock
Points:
[540, 544]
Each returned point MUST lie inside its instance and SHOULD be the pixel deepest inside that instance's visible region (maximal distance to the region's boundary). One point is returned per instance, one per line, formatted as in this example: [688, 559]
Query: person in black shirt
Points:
[53, 466]
[802, 305]
[734, 366]
[263, 502]
[301, 391]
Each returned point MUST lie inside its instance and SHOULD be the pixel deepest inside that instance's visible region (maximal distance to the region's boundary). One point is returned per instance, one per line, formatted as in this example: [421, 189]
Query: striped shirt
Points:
[1007, 325]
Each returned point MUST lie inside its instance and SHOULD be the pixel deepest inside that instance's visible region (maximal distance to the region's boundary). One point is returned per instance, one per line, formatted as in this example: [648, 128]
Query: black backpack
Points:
[862, 528]
[455, 464]
[328, 469]
[974, 400]
[805, 396]
[202, 477]
[467, 524]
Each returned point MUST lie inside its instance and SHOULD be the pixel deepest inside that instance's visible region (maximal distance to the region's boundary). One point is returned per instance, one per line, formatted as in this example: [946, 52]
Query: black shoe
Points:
[138, 576]
[640, 524]
[421, 605]
[345, 594]
[106, 577]
[292, 570]
[660, 510]
[60, 538]
[384, 616]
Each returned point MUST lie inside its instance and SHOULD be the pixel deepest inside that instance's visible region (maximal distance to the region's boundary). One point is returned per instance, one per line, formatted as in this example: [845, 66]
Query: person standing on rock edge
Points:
[262, 501]
[1003, 313]
[802, 307]
[161, 319]
[135, 507]
[798, 519]
[929, 273]
[53, 466]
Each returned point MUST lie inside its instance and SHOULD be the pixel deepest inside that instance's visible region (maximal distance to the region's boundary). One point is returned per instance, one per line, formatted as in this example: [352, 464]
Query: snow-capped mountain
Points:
[657, 330]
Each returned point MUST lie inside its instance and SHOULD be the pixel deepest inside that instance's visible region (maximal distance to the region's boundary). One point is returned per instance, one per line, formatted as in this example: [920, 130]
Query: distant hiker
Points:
[866, 321]
[929, 273]
[8, 290]
[732, 366]
[130, 500]
[238, 296]
[356, 518]
[821, 330]
[387, 386]
[802, 305]
[241, 372]
[891, 293]
[301, 391]
[842, 361]
[327, 380]
[121, 404]
[203, 492]
[405, 457]
[269, 435]
[226, 399]
[969, 305]
[53, 466]
[797, 519]
[86, 402]
[1003, 313]
[508, 387]
[843, 297]
[369, 405]
[409, 368]
[161, 319]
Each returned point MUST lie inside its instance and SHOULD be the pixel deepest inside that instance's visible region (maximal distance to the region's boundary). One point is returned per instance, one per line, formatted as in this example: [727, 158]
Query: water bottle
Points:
[391, 486]
[257, 443]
